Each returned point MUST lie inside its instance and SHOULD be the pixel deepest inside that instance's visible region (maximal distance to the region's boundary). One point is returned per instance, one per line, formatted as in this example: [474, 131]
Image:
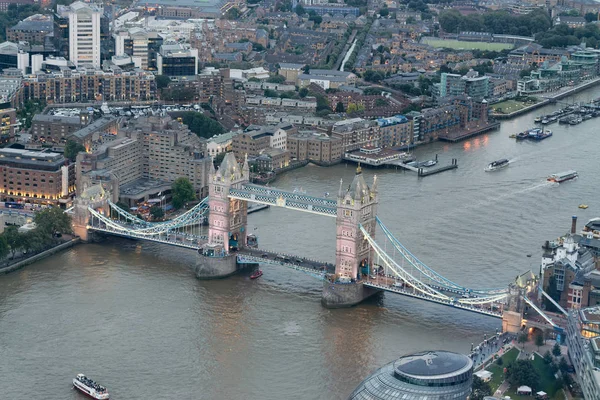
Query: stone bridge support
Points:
[512, 316]
[356, 206]
[227, 220]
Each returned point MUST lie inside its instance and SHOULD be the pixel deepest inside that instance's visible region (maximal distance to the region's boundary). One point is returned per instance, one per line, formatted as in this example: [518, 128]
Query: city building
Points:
[290, 71]
[85, 85]
[333, 9]
[395, 131]
[140, 44]
[327, 79]
[255, 139]
[475, 86]
[317, 147]
[54, 129]
[571, 22]
[270, 160]
[219, 144]
[33, 29]
[177, 59]
[145, 159]
[569, 271]
[84, 33]
[356, 133]
[39, 177]
[432, 375]
[583, 342]
[8, 123]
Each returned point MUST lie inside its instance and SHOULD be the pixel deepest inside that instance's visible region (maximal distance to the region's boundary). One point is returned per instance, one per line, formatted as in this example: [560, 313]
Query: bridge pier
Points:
[215, 267]
[511, 321]
[342, 295]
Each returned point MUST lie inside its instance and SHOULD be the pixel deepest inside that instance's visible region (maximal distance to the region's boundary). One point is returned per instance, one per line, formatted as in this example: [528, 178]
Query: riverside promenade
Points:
[20, 263]
[548, 100]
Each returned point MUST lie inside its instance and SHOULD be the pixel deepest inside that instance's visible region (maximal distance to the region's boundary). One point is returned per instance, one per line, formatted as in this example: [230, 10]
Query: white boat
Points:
[429, 163]
[90, 388]
[563, 176]
[495, 165]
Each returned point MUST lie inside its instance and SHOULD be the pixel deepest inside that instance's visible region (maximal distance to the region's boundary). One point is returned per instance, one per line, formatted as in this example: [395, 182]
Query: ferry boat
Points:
[563, 176]
[90, 388]
[256, 274]
[493, 166]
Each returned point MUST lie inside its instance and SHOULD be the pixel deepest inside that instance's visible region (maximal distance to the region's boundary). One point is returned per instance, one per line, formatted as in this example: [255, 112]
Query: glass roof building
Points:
[431, 375]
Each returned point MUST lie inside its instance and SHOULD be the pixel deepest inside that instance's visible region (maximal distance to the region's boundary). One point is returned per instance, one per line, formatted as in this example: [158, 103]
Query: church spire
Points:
[341, 191]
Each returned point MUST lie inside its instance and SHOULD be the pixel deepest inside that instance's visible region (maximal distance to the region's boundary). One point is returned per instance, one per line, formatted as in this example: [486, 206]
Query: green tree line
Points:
[499, 22]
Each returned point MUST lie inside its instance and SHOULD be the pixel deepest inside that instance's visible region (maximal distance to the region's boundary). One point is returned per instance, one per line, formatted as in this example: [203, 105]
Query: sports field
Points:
[464, 45]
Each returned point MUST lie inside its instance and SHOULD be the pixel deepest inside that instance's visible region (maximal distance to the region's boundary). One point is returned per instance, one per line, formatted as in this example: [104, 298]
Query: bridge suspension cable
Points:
[434, 276]
[422, 287]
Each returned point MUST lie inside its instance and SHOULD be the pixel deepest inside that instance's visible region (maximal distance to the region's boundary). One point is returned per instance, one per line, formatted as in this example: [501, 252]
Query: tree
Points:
[257, 46]
[157, 212]
[481, 389]
[499, 361]
[276, 79]
[384, 12]
[182, 191]
[547, 357]
[590, 17]
[339, 107]
[317, 19]
[556, 352]
[411, 20]
[522, 372]
[381, 102]
[303, 92]
[522, 339]
[52, 220]
[4, 249]
[33, 240]
[122, 205]
[306, 69]
[233, 13]
[72, 148]
[539, 340]
[563, 366]
[300, 10]
[322, 103]
[270, 93]
[162, 81]
[202, 125]
[13, 238]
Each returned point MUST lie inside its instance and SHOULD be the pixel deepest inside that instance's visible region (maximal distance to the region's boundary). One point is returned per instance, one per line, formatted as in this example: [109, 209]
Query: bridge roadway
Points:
[390, 284]
[318, 269]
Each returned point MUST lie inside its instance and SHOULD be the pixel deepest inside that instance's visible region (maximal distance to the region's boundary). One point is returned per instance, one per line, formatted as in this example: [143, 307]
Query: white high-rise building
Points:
[84, 33]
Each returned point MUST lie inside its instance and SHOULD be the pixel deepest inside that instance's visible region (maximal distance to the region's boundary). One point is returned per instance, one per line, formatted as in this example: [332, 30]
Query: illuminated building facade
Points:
[38, 177]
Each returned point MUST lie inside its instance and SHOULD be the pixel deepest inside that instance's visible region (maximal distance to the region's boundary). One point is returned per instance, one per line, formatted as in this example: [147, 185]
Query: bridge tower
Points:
[357, 205]
[227, 220]
[94, 196]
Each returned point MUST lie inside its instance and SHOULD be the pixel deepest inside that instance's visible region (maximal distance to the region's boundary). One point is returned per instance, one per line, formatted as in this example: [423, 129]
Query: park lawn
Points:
[498, 370]
[465, 45]
[547, 382]
[509, 106]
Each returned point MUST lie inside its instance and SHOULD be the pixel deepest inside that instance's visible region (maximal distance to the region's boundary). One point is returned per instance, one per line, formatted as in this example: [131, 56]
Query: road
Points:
[350, 41]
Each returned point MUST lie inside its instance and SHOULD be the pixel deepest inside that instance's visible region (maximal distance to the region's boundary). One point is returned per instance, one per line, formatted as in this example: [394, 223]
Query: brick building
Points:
[316, 147]
[38, 177]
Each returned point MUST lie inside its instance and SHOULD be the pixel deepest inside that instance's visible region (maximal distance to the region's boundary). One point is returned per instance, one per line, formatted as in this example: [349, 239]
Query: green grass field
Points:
[509, 106]
[464, 45]
[547, 382]
[498, 370]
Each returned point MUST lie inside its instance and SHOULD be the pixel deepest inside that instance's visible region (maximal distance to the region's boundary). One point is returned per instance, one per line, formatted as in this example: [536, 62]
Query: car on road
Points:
[265, 256]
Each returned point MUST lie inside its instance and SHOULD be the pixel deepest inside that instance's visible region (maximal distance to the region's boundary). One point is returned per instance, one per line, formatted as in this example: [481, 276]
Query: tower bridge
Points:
[217, 229]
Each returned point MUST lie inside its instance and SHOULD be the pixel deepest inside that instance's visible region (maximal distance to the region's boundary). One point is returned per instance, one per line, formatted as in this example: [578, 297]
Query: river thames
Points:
[133, 316]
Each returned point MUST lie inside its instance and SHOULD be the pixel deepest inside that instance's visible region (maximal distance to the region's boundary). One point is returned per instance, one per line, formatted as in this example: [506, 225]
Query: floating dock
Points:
[426, 172]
